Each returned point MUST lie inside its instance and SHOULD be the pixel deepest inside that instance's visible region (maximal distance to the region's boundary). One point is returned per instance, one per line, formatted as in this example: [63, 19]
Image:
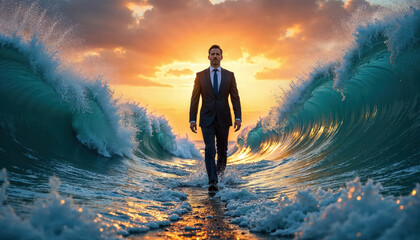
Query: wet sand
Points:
[205, 221]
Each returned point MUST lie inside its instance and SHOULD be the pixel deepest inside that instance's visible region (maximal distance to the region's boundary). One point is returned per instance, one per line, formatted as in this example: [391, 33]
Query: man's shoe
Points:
[213, 188]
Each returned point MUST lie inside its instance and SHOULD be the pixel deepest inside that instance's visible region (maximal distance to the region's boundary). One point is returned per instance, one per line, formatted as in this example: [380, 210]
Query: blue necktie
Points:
[215, 82]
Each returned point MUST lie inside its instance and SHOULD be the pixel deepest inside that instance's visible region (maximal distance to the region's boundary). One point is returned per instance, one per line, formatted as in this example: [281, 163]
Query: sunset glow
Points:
[97, 139]
[152, 49]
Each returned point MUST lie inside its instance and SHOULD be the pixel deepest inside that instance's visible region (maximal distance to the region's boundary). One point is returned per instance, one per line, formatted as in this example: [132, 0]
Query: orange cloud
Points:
[179, 72]
[143, 82]
[170, 31]
[273, 74]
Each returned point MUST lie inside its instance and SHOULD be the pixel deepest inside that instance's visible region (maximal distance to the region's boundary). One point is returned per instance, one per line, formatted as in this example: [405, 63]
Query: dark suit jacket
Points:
[215, 106]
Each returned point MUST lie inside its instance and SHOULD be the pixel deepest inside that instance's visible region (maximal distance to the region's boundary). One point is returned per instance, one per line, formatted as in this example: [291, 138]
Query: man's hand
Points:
[237, 125]
[193, 126]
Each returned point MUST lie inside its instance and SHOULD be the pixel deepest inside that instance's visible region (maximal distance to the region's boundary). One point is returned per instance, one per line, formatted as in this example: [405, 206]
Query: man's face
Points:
[215, 57]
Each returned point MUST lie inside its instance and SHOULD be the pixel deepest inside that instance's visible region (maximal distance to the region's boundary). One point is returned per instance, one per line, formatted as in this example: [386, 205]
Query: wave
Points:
[48, 108]
[360, 116]
[154, 135]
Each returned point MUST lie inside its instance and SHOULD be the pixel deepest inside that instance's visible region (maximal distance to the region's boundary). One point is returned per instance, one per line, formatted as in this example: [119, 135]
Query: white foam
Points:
[174, 217]
[372, 217]
[176, 145]
[157, 224]
[56, 217]
[185, 148]
[147, 125]
[325, 214]
[184, 208]
[230, 177]
[171, 195]
[198, 177]
[233, 194]
[397, 29]
[134, 230]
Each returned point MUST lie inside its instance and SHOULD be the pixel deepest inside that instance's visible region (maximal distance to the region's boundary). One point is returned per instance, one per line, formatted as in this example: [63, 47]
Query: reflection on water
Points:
[205, 221]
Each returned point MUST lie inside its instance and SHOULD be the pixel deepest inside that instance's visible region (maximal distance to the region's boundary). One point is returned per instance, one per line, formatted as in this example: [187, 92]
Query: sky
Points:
[150, 50]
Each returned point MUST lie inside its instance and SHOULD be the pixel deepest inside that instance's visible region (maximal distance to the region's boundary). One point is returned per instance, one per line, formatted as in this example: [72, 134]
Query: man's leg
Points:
[210, 152]
[222, 135]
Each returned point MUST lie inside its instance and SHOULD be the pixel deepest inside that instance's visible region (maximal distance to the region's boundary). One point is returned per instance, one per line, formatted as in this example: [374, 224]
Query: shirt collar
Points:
[219, 68]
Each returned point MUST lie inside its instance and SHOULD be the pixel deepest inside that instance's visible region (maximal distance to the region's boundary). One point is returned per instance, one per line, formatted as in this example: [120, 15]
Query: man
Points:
[215, 84]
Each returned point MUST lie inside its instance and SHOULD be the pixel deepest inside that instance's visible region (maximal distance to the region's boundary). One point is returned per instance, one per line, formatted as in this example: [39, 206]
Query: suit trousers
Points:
[221, 134]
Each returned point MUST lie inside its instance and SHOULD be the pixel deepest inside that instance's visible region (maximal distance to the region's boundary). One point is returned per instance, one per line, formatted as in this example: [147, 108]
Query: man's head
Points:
[215, 56]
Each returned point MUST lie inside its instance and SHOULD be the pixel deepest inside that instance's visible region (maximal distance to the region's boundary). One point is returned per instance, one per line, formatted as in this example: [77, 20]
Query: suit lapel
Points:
[208, 81]
[223, 81]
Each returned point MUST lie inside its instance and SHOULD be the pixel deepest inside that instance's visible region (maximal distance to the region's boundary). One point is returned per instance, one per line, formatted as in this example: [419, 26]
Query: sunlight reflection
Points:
[207, 221]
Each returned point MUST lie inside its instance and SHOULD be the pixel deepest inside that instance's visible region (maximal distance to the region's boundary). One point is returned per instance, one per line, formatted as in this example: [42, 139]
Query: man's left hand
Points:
[237, 125]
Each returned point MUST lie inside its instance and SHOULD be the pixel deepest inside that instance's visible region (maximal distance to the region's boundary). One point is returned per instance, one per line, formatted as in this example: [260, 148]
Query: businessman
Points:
[214, 85]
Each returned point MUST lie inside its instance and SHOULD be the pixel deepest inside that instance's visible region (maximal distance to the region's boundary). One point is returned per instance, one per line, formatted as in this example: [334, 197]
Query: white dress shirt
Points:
[219, 76]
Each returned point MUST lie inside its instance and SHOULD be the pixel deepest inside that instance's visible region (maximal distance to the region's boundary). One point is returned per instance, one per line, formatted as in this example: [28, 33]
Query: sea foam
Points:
[358, 210]
[56, 217]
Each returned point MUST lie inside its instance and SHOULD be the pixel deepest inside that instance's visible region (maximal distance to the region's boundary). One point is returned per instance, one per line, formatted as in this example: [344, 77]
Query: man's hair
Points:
[216, 46]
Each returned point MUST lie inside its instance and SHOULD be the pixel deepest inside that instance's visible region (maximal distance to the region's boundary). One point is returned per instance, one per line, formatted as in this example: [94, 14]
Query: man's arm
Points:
[236, 103]
[195, 98]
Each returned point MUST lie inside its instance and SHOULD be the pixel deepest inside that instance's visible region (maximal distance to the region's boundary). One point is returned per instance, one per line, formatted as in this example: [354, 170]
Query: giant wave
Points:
[47, 108]
[356, 117]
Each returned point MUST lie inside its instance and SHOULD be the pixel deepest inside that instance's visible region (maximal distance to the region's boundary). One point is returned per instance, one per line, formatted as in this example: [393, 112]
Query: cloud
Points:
[102, 23]
[169, 31]
[143, 82]
[179, 72]
[273, 74]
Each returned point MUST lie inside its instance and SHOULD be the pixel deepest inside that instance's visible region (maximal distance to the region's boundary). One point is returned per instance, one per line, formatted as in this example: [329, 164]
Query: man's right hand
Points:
[193, 126]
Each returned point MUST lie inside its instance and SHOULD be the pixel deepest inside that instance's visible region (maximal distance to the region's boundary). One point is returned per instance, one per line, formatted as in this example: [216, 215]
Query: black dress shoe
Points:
[213, 188]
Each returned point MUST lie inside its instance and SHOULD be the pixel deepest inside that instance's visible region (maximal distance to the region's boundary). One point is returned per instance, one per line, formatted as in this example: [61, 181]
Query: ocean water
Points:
[338, 157]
